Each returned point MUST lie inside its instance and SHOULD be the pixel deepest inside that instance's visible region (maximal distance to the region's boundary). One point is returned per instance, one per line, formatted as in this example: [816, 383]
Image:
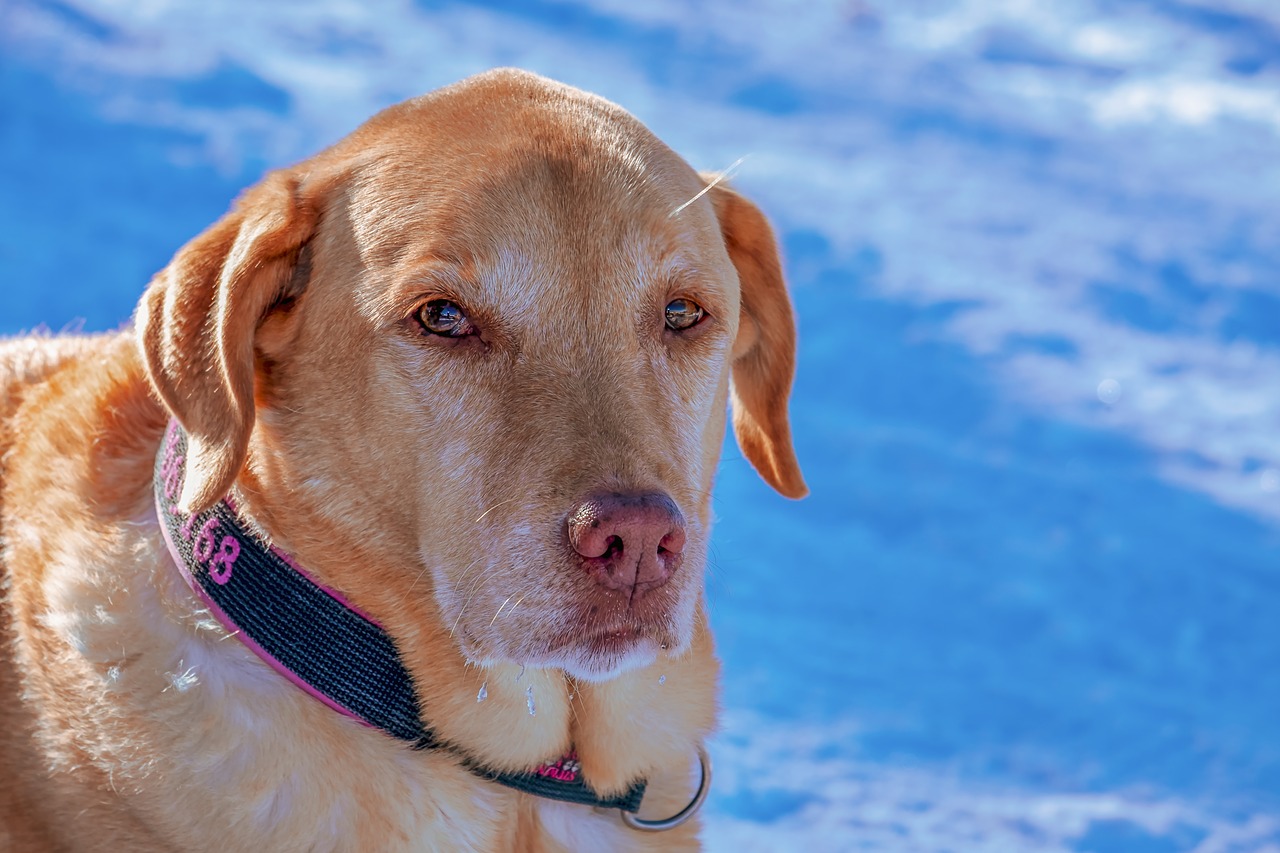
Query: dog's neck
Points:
[504, 720]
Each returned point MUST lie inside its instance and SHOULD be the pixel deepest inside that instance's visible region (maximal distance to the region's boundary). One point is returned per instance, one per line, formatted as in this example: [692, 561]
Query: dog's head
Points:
[488, 339]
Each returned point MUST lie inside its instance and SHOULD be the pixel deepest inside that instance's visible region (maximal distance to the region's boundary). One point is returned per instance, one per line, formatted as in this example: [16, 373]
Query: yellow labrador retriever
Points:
[385, 527]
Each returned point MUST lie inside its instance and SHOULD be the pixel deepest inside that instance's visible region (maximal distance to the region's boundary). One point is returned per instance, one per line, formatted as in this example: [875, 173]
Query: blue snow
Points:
[1032, 601]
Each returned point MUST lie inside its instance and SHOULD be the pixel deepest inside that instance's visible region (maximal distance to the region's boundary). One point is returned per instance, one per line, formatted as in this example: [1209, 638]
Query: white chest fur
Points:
[213, 748]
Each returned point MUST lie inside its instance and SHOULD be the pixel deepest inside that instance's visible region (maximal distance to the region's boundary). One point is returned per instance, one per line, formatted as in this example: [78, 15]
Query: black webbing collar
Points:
[314, 638]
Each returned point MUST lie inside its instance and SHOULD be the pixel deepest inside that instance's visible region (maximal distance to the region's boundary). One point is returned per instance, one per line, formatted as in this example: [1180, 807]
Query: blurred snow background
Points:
[1032, 603]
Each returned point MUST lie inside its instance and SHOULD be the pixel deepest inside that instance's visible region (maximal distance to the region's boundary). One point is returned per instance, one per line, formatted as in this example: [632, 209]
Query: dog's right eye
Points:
[683, 314]
[446, 318]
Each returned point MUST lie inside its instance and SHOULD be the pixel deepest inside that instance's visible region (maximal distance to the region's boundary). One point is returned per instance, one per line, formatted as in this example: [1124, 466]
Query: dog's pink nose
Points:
[631, 543]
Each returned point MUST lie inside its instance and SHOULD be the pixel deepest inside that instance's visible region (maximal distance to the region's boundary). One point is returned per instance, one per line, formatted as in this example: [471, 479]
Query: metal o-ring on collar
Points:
[704, 788]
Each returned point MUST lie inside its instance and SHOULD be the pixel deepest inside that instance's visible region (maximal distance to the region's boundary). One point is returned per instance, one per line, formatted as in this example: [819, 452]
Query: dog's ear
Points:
[197, 320]
[764, 353]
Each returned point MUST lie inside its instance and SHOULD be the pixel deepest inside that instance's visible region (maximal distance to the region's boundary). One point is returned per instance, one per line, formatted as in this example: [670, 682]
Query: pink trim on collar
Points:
[226, 622]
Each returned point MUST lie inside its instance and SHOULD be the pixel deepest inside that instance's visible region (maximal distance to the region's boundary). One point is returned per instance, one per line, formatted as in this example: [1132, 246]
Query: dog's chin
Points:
[575, 642]
[595, 658]
[605, 656]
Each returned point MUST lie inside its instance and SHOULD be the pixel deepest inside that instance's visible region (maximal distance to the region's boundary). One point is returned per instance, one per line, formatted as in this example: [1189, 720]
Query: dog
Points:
[388, 514]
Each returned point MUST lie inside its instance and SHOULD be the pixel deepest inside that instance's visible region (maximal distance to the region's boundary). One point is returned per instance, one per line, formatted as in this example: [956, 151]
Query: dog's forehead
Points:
[474, 170]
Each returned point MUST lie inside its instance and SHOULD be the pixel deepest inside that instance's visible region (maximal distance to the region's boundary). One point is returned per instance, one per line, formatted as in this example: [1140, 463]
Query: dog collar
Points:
[323, 644]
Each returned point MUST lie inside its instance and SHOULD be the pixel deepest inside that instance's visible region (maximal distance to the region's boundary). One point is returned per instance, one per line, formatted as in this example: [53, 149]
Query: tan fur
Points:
[426, 480]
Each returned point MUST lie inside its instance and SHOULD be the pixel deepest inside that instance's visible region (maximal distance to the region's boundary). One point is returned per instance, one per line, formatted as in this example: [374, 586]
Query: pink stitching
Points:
[224, 560]
[564, 769]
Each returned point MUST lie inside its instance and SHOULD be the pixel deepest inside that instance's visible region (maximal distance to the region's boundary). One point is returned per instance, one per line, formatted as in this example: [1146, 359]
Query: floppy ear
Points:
[764, 353]
[197, 320]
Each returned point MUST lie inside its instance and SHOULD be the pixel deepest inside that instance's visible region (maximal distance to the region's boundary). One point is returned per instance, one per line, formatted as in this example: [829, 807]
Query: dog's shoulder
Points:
[75, 399]
[29, 360]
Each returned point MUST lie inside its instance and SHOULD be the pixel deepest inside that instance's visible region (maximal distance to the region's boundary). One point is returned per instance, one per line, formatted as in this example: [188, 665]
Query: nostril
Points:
[673, 542]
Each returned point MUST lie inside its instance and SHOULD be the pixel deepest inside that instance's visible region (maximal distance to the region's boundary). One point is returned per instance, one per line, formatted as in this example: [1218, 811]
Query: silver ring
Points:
[704, 788]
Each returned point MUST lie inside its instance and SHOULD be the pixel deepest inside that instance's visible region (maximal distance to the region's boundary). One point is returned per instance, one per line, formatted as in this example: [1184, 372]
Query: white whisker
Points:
[492, 508]
[719, 179]
[499, 613]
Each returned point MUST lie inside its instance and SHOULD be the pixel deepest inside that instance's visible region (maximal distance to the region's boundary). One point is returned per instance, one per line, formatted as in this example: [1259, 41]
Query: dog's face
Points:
[492, 334]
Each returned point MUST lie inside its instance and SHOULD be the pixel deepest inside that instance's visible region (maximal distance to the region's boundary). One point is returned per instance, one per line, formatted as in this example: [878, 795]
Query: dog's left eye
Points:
[683, 314]
[446, 318]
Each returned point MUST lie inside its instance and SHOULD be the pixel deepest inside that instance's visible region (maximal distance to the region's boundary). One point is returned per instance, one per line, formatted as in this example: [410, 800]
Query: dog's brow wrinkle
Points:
[719, 179]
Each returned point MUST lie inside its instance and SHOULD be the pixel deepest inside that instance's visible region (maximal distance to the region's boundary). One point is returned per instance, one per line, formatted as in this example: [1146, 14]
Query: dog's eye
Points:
[683, 314]
[446, 318]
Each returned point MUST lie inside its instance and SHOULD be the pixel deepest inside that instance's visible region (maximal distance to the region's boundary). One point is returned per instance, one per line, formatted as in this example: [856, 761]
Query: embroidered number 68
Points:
[221, 562]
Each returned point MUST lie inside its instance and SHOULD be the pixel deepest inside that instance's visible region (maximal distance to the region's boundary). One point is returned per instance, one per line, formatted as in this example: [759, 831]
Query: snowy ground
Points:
[1031, 602]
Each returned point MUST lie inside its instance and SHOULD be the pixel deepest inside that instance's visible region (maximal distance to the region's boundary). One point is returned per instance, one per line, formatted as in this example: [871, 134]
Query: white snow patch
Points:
[834, 805]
